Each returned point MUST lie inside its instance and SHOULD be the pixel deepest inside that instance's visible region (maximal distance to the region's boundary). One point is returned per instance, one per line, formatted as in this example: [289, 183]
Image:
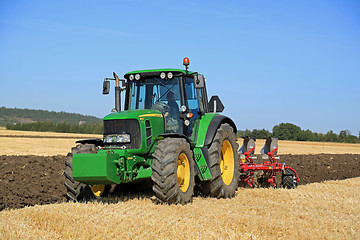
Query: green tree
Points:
[286, 131]
[306, 136]
[260, 134]
[242, 133]
[351, 139]
[343, 134]
[330, 136]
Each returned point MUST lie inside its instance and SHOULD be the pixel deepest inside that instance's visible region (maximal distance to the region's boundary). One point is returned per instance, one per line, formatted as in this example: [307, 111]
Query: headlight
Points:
[137, 77]
[118, 138]
[170, 75]
[183, 108]
[162, 75]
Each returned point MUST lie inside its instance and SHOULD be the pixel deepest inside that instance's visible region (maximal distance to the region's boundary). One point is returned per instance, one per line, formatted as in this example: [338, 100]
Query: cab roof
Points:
[156, 72]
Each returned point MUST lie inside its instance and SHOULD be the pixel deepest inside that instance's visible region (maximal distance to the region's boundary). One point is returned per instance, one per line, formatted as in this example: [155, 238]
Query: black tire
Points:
[173, 171]
[222, 185]
[288, 179]
[77, 191]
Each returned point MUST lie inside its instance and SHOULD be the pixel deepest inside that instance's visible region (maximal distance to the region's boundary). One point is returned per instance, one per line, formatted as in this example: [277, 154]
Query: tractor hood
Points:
[142, 125]
[134, 114]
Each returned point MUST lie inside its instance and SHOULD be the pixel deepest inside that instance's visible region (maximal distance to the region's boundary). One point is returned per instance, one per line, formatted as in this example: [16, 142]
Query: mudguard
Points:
[214, 125]
[206, 133]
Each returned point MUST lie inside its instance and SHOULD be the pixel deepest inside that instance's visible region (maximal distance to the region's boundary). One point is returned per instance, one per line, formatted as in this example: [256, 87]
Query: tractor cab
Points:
[179, 95]
[170, 91]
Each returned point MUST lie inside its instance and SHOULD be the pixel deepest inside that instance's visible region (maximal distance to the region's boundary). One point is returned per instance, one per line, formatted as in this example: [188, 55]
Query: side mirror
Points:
[106, 87]
[215, 105]
[199, 81]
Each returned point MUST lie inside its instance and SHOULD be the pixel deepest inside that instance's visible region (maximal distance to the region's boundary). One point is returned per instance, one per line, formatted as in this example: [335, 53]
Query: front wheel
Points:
[224, 164]
[100, 190]
[173, 171]
[77, 191]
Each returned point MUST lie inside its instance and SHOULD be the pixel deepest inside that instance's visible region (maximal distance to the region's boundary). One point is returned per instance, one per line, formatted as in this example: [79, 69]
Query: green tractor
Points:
[168, 133]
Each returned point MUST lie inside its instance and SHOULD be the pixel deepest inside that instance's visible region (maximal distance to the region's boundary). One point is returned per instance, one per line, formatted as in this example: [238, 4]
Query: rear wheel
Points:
[288, 179]
[224, 164]
[77, 191]
[173, 171]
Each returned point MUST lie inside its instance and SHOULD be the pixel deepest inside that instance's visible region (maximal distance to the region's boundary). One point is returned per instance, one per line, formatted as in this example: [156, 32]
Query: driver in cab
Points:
[174, 107]
[173, 114]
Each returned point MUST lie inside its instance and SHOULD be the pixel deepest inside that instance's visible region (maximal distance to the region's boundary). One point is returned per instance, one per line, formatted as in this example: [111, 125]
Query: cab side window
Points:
[192, 96]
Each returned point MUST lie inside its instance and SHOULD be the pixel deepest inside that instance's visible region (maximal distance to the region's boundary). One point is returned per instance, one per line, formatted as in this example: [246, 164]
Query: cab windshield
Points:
[145, 94]
[165, 96]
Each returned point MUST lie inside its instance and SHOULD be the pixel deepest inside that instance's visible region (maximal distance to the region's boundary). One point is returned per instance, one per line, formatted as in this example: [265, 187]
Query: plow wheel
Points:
[173, 171]
[287, 179]
[224, 164]
[77, 191]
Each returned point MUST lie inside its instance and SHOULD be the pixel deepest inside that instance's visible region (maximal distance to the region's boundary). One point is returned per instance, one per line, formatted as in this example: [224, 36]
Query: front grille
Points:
[130, 126]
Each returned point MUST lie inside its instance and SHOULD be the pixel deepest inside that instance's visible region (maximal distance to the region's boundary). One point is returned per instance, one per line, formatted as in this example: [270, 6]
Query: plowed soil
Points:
[33, 180]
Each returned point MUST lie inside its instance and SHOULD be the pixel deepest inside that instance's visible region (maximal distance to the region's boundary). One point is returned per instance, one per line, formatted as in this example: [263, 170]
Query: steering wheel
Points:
[161, 106]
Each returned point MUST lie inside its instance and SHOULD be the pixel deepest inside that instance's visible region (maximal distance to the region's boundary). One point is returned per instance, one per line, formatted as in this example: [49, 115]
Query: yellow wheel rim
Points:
[227, 162]
[98, 190]
[183, 172]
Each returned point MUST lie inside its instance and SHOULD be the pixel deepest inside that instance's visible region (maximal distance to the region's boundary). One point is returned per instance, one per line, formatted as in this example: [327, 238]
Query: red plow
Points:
[270, 167]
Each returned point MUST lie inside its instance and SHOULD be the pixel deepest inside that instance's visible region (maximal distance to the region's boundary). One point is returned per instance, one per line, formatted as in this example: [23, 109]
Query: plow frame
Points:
[270, 166]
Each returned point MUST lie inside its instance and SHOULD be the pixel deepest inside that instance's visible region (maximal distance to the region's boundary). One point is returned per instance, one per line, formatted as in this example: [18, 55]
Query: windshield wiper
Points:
[168, 89]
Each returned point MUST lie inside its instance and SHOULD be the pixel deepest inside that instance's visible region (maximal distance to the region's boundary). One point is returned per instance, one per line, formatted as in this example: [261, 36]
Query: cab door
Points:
[196, 107]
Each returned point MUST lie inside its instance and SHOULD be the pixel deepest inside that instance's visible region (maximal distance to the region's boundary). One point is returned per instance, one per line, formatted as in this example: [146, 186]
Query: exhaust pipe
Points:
[118, 98]
[118, 90]
[117, 93]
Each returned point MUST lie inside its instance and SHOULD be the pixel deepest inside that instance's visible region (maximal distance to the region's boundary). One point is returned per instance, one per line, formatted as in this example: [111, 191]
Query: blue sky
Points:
[269, 61]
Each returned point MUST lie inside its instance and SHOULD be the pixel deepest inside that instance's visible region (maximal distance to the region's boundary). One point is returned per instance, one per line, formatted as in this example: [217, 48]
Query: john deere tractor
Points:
[168, 133]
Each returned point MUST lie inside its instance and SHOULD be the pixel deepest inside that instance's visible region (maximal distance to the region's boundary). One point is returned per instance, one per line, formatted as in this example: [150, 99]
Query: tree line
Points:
[289, 131]
[283, 131]
[14, 115]
[61, 127]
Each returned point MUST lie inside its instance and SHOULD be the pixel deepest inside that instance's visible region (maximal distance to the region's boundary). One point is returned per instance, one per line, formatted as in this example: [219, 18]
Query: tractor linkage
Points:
[269, 166]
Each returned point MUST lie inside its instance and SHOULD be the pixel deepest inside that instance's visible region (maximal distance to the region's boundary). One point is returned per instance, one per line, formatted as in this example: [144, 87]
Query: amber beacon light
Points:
[186, 63]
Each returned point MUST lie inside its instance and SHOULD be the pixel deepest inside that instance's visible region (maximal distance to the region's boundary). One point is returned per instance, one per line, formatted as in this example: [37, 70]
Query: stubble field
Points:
[325, 205]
